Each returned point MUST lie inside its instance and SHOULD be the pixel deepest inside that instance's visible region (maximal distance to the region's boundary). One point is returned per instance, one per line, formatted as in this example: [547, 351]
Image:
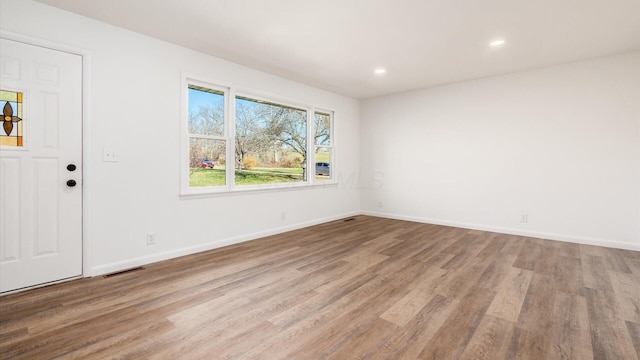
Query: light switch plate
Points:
[109, 155]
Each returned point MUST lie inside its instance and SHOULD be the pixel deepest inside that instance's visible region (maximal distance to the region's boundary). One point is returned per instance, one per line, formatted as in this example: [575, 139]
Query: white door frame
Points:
[86, 137]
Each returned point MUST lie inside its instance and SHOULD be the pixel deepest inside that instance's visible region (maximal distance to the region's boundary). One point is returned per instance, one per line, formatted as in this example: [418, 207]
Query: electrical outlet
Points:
[151, 238]
[380, 204]
[283, 216]
[524, 218]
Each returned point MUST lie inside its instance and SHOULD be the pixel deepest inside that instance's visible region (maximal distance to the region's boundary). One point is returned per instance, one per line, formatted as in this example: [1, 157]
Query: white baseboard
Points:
[511, 231]
[144, 260]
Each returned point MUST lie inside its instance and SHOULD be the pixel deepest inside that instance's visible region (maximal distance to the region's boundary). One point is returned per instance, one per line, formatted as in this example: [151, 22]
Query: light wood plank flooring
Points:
[368, 288]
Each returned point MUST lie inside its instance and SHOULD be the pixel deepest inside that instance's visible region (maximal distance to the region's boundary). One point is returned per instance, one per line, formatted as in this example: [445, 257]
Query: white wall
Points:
[135, 108]
[561, 144]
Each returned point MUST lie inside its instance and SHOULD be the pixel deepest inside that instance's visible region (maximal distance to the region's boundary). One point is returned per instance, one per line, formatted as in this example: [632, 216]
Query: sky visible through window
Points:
[198, 99]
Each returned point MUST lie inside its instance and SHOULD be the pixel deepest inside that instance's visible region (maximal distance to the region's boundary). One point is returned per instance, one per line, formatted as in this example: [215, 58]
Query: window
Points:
[207, 141]
[323, 145]
[269, 144]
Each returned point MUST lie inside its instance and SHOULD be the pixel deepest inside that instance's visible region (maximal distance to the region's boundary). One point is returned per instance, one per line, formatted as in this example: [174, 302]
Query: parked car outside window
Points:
[322, 168]
[207, 164]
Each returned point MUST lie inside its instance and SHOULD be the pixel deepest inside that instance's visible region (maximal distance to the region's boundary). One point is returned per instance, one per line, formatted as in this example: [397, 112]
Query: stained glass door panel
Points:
[11, 133]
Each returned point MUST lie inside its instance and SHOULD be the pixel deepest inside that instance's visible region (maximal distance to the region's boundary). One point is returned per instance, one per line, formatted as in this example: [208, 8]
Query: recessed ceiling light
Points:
[496, 43]
[380, 71]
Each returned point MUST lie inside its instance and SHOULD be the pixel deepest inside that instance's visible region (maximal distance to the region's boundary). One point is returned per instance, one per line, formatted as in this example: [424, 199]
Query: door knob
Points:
[71, 167]
[71, 183]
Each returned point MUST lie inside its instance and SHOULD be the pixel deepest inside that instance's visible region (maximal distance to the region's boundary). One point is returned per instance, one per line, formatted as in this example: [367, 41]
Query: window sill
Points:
[243, 190]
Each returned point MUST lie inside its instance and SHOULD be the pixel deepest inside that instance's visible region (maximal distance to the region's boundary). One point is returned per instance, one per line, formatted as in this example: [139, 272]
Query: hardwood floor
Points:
[368, 288]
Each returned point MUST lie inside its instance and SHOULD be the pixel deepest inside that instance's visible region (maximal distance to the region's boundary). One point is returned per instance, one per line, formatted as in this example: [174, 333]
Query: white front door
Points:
[40, 159]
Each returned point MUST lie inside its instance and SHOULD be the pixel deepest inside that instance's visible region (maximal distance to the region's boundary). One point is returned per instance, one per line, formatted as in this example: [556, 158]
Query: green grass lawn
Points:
[216, 177]
[277, 170]
[207, 177]
[256, 176]
[322, 156]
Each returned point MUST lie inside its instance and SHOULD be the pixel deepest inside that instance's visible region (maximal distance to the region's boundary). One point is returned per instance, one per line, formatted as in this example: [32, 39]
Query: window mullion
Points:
[230, 121]
[332, 143]
[184, 124]
[311, 146]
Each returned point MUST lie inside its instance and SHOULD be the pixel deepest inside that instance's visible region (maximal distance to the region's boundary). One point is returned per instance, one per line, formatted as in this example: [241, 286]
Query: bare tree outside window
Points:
[271, 142]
